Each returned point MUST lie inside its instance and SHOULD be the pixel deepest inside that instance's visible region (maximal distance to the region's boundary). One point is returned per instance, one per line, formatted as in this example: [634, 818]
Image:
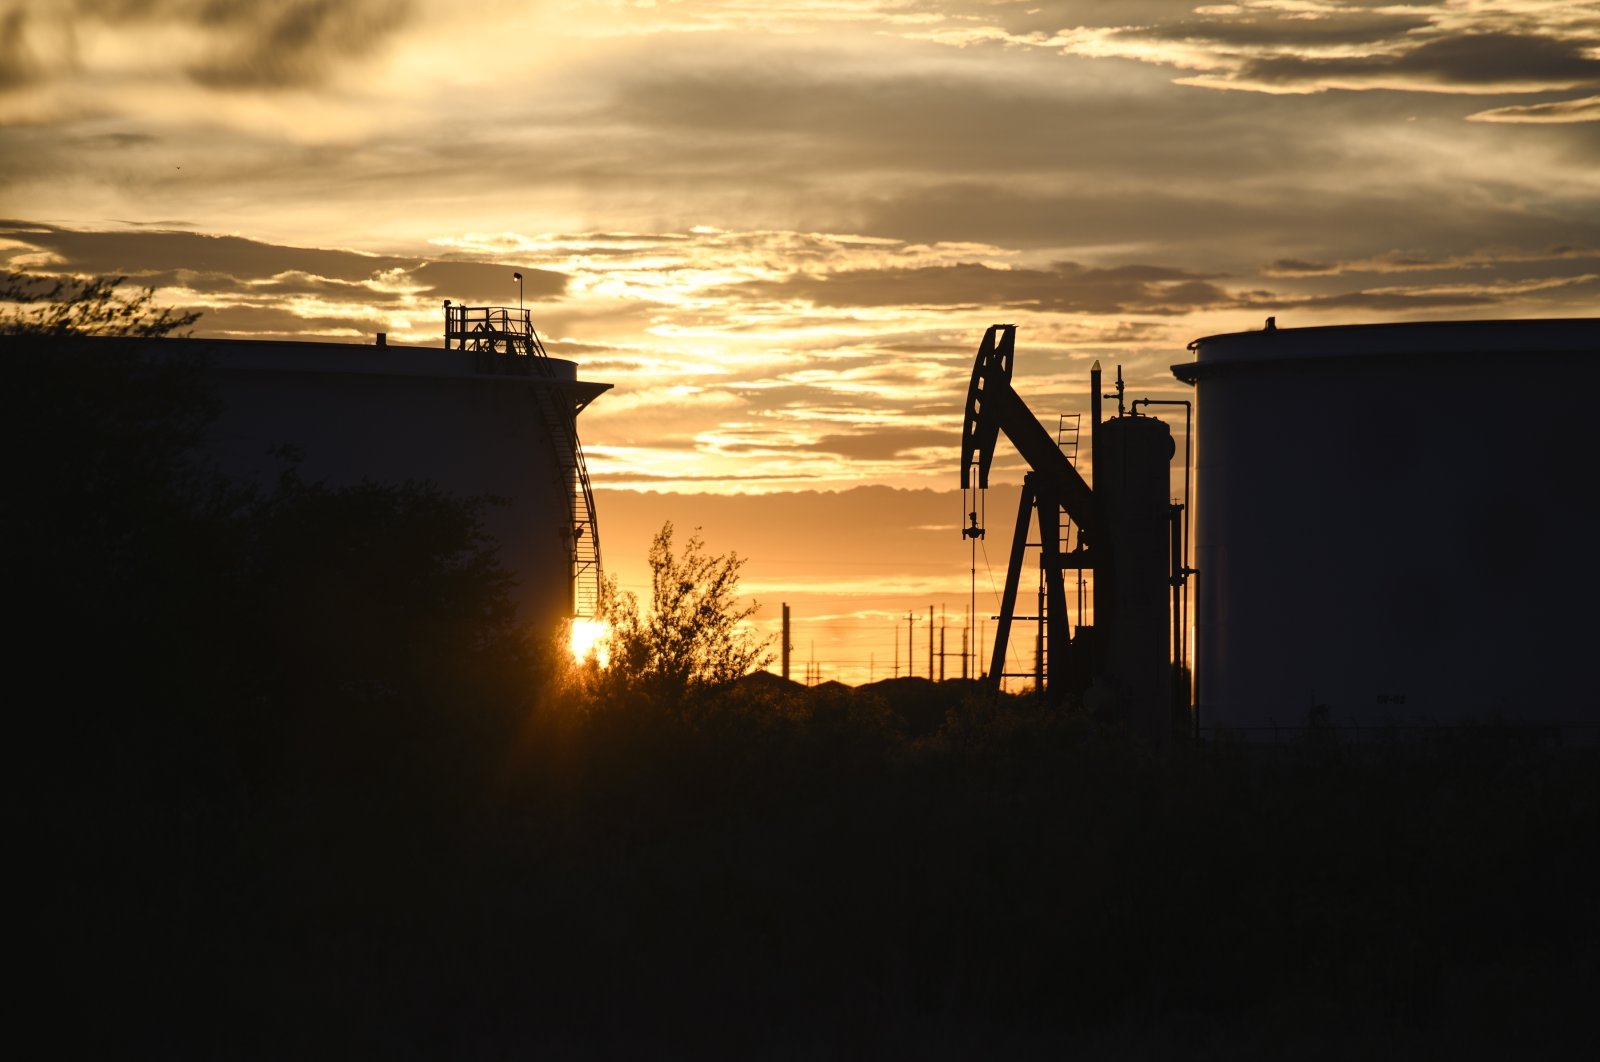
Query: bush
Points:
[694, 638]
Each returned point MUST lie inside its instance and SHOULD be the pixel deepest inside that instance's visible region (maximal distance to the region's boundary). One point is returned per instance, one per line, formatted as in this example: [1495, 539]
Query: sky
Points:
[780, 228]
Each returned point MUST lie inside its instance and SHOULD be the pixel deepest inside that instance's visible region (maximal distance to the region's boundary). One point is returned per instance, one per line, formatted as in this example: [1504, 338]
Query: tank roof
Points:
[360, 359]
[1274, 345]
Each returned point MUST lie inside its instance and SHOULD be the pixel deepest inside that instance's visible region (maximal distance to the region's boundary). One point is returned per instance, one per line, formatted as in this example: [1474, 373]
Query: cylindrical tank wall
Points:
[1132, 468]
[465, 433]
[1394, 526]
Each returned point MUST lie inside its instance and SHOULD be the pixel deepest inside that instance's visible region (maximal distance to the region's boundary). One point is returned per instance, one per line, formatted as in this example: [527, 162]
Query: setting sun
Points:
[588, 637]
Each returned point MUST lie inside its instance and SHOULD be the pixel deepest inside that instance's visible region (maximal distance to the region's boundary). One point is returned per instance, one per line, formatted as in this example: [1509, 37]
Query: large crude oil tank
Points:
[1395, 528]
[470, 423]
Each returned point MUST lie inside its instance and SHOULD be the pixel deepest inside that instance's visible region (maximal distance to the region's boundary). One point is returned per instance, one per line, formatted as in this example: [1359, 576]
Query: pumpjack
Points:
[1127, 528]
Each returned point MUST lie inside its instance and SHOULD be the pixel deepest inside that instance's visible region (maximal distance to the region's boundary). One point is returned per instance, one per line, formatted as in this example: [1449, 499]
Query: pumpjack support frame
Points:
[1052, 487]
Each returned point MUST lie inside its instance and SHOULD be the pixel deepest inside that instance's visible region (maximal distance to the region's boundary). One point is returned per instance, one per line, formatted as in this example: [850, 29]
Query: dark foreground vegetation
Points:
[292, 783]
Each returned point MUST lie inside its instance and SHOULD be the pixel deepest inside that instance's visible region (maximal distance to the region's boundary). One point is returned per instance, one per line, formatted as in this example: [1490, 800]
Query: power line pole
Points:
[786, 645]
[911, 648]
[930, 643]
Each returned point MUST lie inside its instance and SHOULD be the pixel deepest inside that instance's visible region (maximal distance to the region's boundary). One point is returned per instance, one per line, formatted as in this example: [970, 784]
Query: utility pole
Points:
[968, 645]
[930, 643]
[911, 648]
[786, 645]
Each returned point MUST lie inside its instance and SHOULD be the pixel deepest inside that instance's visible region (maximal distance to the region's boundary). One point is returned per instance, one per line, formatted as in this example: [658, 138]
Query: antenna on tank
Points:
[1118, 395]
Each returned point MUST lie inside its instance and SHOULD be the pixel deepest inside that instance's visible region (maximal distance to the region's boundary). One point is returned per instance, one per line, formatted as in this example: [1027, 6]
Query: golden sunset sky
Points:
[780, 228]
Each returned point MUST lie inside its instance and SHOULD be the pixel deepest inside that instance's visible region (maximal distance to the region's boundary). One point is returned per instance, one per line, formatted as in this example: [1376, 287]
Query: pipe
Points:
[1188, 435]
[1184, 571]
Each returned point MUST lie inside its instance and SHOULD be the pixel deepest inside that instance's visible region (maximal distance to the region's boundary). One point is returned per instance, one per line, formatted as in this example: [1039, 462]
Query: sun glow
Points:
[588, 638]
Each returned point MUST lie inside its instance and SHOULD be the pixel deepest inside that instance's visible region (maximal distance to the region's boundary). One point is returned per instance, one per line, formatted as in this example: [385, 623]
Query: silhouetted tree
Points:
[386, 602]
[231, 705]
[694, 637]
[102, 453]
[83, 306]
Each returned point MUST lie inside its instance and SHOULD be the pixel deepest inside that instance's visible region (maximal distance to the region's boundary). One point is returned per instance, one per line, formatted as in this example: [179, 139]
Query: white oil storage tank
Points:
[1395, 528]
[470, 419]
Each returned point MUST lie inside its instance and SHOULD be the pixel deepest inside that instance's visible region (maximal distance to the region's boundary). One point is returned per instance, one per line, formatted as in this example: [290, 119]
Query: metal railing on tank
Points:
[502, 330]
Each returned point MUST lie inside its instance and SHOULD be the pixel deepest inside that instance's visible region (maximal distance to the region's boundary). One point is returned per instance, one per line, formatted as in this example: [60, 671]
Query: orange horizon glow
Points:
[779, 230]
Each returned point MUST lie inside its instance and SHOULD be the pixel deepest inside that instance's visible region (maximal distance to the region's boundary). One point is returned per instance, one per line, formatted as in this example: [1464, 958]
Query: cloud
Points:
[482, 282]
[1066, 156]
[1071, 288]
[1066, 287]
[1298, 267]
[887, 443]
[264, 44]
[19, 65]
[785, 122]
[1411, 262]
[1445, 295]
[160, 251]
[292, 42]
[1586, 109]
[117, 140]
[218, 264]
[285, 322]
[1478, 63]
[913, 530]
[1360, 193]
[1381, 301]
[247, 287]
[1243, 29]
[1270, 46]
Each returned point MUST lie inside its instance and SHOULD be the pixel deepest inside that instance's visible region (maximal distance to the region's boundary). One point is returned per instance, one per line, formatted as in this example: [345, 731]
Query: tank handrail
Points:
[503, 329]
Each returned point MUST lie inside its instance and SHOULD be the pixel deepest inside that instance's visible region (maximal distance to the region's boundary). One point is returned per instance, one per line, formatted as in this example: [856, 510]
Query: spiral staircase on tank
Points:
[504, 342]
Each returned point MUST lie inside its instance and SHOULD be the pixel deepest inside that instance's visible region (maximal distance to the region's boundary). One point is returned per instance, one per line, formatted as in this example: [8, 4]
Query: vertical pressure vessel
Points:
[1132, 463]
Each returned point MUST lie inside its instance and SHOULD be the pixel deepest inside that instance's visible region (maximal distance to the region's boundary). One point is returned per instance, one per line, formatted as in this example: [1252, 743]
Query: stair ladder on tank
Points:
[583, 540]
[505, 341]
